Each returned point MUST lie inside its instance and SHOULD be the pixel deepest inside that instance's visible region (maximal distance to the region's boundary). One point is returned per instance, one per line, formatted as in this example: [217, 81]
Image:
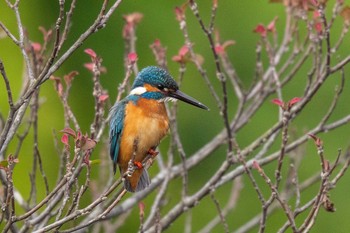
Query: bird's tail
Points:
[138, 181]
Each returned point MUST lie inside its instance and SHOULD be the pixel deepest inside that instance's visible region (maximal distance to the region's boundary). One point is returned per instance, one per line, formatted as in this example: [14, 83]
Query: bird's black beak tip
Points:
[188, 99]
[202, 106]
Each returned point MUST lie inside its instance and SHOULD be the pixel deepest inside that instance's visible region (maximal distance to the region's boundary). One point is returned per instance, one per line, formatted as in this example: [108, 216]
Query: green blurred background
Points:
[235, 20]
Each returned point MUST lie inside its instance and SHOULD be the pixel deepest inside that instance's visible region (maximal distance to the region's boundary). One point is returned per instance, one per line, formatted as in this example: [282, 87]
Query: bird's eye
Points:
[162, 88]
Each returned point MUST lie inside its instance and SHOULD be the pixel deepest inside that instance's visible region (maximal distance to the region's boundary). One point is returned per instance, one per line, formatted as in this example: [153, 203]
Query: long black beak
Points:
[188, 99]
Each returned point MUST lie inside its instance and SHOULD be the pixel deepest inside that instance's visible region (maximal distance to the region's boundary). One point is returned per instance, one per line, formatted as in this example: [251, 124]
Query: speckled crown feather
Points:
[155, 76]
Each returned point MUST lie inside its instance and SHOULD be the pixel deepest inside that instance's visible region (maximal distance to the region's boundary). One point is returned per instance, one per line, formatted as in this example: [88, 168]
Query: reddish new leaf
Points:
[102, 98]
[11, 159]
[69, 131]
[46, 34]
[133, 18]
[142, 208]
[89, 66]
[228, 43]
[182, 56]
[36, 47]
[89, 144]
[180, 15]
[132, 57]
[183, 51]
[345, 13]
[317, 140]
[278, 102]
[314, 2]
[79, 135]
[261, 30]
[221, 49]
[58, 85]
[272, 25]
[69, 77]
[318, 27]
[157, 43]
[256, 165]
[91, 53]
[65, 139]
[294, 101]
[316, 14]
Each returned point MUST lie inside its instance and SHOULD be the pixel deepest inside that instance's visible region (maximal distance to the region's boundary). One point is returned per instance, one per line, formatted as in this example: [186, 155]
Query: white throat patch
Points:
[138, 91]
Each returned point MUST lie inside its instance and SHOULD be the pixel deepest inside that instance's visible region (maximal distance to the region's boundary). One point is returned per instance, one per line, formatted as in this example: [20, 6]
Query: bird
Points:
[139, 122]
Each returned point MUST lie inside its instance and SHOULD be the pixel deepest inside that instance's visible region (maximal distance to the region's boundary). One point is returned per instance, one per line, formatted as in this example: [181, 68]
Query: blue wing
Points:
[117, 114]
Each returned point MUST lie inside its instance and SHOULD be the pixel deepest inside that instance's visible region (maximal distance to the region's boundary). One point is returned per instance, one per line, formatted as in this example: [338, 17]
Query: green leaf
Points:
[95, 161]
[4, 164]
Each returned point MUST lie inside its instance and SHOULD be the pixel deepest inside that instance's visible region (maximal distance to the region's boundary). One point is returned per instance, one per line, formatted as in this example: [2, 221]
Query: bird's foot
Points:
[152, 152]
[138, 165]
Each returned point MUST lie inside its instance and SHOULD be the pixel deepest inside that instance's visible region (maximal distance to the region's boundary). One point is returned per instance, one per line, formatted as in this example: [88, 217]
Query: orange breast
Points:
[145, 124]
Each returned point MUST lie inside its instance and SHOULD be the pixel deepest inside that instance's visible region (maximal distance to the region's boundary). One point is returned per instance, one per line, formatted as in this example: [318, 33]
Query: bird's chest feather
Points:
[145, 125]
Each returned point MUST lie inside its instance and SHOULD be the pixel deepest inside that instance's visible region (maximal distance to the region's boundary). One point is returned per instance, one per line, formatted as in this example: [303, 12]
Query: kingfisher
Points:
[139, 122]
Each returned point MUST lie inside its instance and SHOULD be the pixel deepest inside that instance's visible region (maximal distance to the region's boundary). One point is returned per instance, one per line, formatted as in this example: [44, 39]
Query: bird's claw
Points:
[152, 152]
[138, 164]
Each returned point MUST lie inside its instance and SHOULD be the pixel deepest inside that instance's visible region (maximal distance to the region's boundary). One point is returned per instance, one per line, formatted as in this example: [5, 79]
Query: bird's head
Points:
[156, 83]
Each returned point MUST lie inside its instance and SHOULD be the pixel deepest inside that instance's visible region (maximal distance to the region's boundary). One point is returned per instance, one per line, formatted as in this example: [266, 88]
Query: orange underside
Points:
[144, 126]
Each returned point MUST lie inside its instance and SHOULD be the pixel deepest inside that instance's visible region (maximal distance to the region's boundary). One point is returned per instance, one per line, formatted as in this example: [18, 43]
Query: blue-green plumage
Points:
[156, 77]
[117, 113]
